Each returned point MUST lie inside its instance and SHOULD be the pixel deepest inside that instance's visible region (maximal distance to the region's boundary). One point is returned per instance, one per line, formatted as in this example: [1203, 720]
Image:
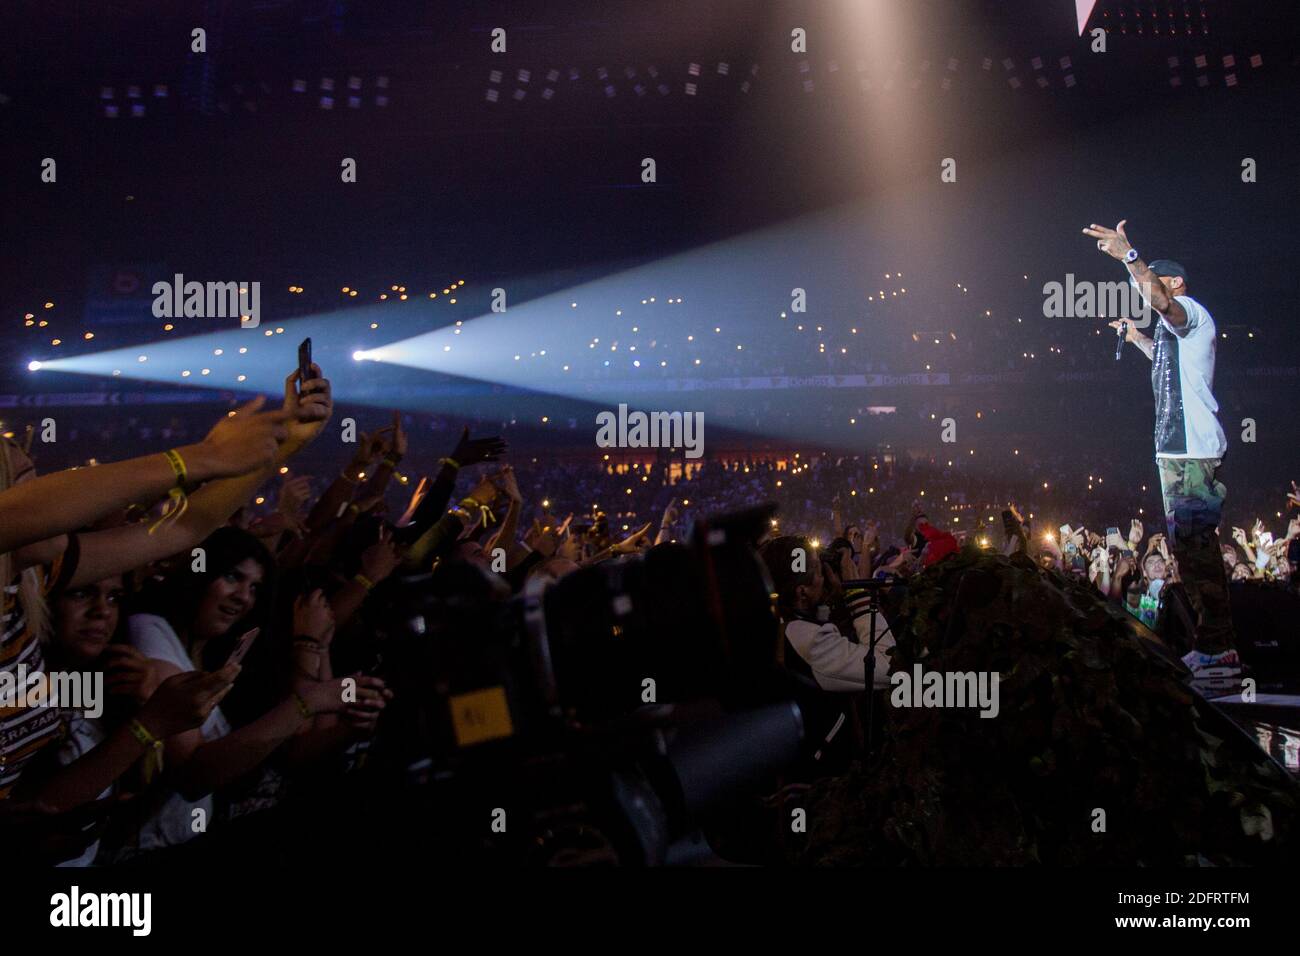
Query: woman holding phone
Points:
[203, 618]
[41, 547]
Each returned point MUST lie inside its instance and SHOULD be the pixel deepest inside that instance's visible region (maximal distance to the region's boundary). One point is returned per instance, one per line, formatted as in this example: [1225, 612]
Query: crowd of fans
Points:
[225, 596]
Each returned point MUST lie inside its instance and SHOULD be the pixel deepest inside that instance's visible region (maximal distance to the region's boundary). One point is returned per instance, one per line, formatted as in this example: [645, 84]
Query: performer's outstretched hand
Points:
[1113, 242]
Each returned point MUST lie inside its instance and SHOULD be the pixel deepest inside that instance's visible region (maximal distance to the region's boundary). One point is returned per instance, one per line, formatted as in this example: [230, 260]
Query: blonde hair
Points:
[30, 595]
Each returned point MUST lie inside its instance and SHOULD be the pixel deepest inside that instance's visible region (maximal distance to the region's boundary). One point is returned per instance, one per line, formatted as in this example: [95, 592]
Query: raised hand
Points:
[1113, 242]
[309, 405]
[370, 445]
[570, 547]
[362, 717]
[398, 445]
[128, 673]
[380, 559]
[671, 513]
[184, 701]
[487, 490]
[326, 696]
[629, 544]
[473, 451]
[313, 617]
[848, 570]
[507, 484]
[1135, 532]
[902, 562]
[295, 493]
[544, 540]
[242, 441]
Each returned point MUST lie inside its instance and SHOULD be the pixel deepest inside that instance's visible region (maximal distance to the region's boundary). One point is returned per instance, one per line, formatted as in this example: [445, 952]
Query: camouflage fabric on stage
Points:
[1193, 500]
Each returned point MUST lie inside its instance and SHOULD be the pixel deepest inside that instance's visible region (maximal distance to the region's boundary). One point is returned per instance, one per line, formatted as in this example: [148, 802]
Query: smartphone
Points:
[1066, 532]
[1113, 540]
[1008, 523]
[241, 647]
[305, 373]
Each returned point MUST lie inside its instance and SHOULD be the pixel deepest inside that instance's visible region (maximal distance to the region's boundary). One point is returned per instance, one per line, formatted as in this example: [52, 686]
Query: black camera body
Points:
[596, 719]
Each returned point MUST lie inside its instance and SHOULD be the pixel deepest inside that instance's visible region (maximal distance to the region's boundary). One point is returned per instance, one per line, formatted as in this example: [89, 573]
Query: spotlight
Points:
[33, 366]
[359, 355]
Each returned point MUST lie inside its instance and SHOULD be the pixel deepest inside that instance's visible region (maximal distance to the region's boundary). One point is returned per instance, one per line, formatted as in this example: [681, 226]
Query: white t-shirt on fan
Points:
[172, 821]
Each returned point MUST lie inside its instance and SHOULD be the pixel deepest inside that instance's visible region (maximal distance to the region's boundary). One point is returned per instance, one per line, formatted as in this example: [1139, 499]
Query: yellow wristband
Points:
[178, 496]
[364, 581]
[484, 512]
[303, 709]
[154, 762]
[178, 466]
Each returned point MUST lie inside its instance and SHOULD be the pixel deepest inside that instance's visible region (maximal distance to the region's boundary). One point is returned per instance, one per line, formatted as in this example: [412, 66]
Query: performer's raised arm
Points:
[1114, 242]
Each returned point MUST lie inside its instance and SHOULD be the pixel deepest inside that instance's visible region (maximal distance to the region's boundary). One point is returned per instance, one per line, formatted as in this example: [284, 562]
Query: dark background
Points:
[233, 173]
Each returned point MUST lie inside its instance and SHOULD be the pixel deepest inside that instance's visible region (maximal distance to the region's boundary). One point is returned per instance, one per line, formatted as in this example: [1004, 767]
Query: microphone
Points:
[1119, 340]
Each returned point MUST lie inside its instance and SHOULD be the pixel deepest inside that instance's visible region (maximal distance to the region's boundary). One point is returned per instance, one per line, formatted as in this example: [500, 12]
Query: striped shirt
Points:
[24, 731]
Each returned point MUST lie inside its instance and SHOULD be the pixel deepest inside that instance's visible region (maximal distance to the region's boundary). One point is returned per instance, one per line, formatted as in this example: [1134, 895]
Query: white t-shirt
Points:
[837, 663]
[84, 735]
[172, 823]
[1182, 379]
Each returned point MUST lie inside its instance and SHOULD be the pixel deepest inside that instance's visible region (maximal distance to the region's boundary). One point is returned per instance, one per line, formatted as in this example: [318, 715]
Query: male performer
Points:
[1189, 442]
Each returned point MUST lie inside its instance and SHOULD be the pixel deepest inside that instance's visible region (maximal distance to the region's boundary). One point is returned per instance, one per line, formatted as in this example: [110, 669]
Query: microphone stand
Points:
[872, 589]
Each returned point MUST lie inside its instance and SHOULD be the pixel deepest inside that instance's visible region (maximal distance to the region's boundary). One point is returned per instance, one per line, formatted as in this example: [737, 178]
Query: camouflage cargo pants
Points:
[1193, 501]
